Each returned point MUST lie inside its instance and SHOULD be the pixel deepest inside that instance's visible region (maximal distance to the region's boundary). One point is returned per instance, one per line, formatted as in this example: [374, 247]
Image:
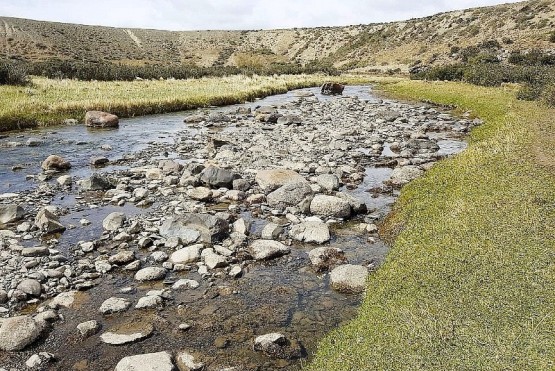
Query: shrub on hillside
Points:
[12, 73]
[548, 95]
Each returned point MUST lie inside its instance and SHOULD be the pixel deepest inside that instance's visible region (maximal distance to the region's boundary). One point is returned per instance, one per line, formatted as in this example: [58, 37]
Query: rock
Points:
[200, 193]
[99, 161]
[213, 260]
[18, 332]
[151, 274]
[154, 174]
[236, 271]
[357, 206]
[30, 287]
[11, 213]
[114, 305]
[328, 182]
[185, 284]
[216, 177]
[241, 185]
[33, 142]
[403, 175]
[186, 255]
[170, 167]
[349, 278]
[149, 302]
[322, 258]
[211, 228]
[97, 182]
[127, 333]
[38, 360]
[271, 231]
[35, 251]
[332, 88]
[270, 180]
[266, 342]
[122, 258]
[99, 119]
[186, 362]
[289, 120]
[47, 222]
[266, 249]
[3, 297]
[193, 119]
[217, 117]
[89, 328]
[290, 194]
[64, 299]
[114, 221]
[311, 232]
[161, 361]
[330, 206]
[54, 162]
[241, 226]
[65, 180]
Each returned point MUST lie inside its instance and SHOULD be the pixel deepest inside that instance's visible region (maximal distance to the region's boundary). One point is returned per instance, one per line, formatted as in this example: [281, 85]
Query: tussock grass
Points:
[49, 102]
[469, 283]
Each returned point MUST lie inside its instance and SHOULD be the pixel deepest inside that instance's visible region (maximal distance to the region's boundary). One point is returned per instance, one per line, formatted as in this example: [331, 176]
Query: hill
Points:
[434, 40]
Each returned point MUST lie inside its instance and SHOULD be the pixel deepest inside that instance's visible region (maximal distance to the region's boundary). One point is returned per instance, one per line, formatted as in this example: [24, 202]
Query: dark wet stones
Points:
[99, 119]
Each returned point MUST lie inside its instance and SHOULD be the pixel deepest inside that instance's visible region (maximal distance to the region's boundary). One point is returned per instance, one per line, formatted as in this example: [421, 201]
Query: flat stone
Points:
[186, 362]
[149, 302]
[114, 305]
[311, 232]
[349, 278]
[266, 249]
[217, 178]
[186, 255]
[200, 193]
[270, 180]
[122, 258]
[161, 361]
[185, 284]
[127, 334]
[151, 274]
[35, 251]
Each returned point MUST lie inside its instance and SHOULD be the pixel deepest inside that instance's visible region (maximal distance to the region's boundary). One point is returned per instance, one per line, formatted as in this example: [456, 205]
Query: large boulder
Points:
[97, 182]
[186, 255]
[289, 195]
[349, 278]
[332, 88]
[210, 227]
[330, 206]
[114, 221]
[267, 249]
[48, 222]
[311, 232]
[151, 274]
[270, 180]
[161, 361]
[216, 177]
[54, 162]
[18, 332]
[10, 213]
[99, 119]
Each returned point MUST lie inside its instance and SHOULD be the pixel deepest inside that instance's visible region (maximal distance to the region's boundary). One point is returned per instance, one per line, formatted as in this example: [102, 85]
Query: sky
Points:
[230, 14]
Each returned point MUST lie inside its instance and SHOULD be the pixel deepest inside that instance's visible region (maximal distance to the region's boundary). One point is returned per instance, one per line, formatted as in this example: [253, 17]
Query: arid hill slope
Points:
[518, 26]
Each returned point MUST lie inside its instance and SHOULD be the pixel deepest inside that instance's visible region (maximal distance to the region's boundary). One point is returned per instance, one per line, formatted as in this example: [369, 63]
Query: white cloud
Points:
[226, 14]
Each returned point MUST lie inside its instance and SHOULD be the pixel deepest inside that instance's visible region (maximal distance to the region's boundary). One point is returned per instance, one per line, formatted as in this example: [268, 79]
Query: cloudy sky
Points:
[230, 14]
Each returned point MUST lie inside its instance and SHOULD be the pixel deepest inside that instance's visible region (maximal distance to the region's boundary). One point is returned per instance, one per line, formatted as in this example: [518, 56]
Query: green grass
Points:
[469, 283]
[49, 102]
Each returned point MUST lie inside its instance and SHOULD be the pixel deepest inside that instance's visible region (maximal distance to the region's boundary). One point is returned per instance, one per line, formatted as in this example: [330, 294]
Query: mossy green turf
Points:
[469, 283]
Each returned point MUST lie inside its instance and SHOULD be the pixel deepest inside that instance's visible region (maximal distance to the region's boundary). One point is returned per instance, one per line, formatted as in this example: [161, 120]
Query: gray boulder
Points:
[311, 232]
[289, 120]
[290, 194]
[54, 162]
[330, 206]
[30, 287]
[18, 332]
[268, 249]
[151, 274]
[349, 278]
[48, 222]
[114, 221]
[405, 174]
[211, 228]
[11, 213]
[328, 182]
[97, 182]
[99, 119]
[216, 177]
[270, 180]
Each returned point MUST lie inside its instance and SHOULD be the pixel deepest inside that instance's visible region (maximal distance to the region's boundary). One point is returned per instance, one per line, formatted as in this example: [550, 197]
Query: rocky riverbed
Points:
[232, 242]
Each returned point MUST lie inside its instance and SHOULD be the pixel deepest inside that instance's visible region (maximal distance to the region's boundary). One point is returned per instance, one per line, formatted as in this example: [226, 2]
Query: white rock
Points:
[114, 221]
[149, 302]
[114, 305]
[349, 278]
[89, 328]
[161, 361]
[266, 249]
[186, 362]
[330, 206]
[311, 232]
[186, 255]
[18, 332]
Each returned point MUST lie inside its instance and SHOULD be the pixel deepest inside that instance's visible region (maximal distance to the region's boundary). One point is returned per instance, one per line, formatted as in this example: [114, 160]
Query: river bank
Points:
[469, 280]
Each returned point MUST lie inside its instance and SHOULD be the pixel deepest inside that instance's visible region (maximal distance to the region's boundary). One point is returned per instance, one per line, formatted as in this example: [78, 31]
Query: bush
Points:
[548, 95]
[484, 75]
[12, 73]
[529, 92]
[552, 37]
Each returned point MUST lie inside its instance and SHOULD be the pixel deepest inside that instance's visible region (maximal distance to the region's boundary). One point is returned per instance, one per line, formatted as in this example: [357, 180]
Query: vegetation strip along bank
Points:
[470, 280]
